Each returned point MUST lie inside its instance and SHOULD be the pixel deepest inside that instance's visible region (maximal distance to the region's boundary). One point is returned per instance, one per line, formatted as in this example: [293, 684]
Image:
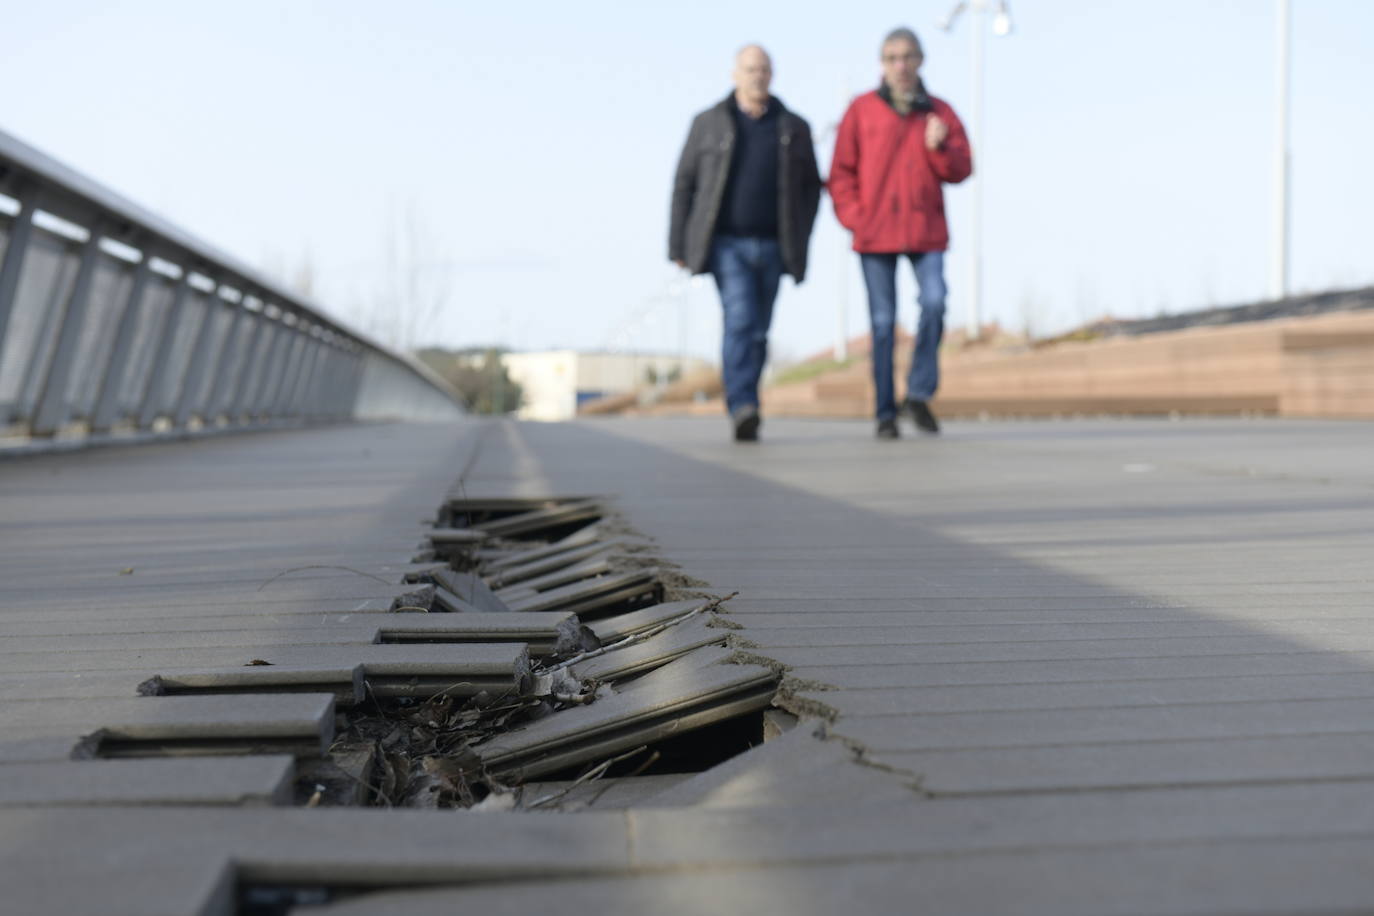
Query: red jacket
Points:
[885, 184]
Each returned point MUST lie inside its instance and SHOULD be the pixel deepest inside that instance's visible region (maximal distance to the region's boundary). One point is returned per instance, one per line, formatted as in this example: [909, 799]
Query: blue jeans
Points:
[880, 276]
[747, 272]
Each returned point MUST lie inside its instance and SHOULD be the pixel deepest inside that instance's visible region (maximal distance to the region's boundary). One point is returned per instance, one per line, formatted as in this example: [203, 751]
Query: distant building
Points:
[555, 382]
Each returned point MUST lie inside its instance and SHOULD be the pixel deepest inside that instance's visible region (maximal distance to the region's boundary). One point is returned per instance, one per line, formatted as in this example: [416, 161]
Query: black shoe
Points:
[887, 429]
[746, 420]
[920, 414]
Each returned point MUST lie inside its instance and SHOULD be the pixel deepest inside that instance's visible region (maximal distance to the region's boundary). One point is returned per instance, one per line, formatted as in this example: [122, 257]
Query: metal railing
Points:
[113, 323]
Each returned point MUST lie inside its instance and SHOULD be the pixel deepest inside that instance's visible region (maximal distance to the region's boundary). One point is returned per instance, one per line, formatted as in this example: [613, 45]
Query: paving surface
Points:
[1079, 667]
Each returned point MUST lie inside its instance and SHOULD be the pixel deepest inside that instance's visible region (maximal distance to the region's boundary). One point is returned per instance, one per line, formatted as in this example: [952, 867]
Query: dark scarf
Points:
[920, 103]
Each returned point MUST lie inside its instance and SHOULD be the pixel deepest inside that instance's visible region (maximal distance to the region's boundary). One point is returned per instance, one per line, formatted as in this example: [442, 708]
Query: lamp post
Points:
[1001, 26]
[1278, 255]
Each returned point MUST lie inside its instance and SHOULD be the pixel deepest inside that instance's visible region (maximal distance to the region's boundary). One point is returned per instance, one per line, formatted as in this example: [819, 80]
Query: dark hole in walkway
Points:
[694, 752]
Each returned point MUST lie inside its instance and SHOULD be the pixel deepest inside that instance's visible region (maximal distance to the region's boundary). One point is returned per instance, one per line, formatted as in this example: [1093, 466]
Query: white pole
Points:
[1278, 260]
[975, 274]
[846, 258]
[842, 309]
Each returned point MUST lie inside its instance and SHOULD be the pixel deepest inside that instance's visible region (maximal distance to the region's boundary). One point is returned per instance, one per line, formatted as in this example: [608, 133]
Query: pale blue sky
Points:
[1127, 153]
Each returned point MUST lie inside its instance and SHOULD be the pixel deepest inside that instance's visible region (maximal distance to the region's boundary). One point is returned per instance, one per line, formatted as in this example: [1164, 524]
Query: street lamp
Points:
[1001, 26]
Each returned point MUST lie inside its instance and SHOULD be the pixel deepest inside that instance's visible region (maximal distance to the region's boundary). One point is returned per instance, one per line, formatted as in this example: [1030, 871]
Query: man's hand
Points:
[682, 264]
[936, 132]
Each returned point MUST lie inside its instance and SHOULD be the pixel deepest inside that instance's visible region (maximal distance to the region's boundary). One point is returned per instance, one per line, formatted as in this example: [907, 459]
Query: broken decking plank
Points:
[579, 597]
[612, 629]
[679, 701]
[493, 560]
[470, 589]
[653, 652]
[506, 576]
[539, 519]
[596, 565]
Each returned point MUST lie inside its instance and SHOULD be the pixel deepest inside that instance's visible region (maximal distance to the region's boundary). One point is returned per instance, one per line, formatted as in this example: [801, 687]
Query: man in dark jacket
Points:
[896, 147]
[744, 201]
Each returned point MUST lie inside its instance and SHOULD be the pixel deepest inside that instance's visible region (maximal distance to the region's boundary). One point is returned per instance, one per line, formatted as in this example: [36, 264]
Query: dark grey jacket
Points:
[700, 184]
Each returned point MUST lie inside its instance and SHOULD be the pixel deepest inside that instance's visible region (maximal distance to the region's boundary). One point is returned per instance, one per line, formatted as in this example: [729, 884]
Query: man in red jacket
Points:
[896, 147]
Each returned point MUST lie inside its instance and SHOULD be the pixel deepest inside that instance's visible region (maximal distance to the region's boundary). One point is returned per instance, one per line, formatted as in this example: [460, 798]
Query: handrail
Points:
[112, 319]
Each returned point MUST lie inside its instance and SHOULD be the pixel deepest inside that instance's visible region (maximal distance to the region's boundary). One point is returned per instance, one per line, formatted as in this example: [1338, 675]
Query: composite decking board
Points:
[507, 659]
[889, 634]
[515, 558]
[653, 651]
[470, 589]
[1060, 671]
[662, 692]
[1029, 529]
[1107, 694]
[525, 573]
[591, 592]
[1308, 759]
[1234, 879]
[259, 780]
[172, 717]
[1044, 727]
[598, 565]
[1069, 650]
[611, 629]
[856, 614]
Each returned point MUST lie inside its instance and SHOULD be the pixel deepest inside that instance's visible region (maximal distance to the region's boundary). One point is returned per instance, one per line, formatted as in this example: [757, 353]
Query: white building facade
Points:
[555, 382]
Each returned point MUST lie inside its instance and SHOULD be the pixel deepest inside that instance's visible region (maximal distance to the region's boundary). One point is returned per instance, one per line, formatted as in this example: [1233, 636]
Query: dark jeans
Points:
[880, 276]
[747, 272]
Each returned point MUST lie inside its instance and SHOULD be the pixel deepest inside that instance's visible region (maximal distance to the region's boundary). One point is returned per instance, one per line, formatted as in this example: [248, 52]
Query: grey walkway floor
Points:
[1088, 667]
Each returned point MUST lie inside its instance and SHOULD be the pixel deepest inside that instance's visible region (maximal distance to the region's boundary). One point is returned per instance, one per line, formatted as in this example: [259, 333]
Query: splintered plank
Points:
[457, 536]
[505, 576]
[587, 595]
[449, 603]
[618, 627]
[597, 565]
[539, 519]
[668, 703]
[493, 560]
[653, 652]
[471, 590]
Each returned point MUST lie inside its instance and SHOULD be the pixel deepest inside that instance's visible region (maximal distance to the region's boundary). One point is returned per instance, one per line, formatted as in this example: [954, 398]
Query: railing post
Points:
[295, 355]
[329, 391]
[157, 378]
[355, 383]
[300, 398]
[265, 396]
[250, 399]
[224, 361]
[327, 380]
[20, 231]
[235, 388]
[198, 367]
[107, 402]
[52, 410]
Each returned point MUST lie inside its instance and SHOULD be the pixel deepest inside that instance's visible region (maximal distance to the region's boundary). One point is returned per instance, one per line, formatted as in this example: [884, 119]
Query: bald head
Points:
[753, 75]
